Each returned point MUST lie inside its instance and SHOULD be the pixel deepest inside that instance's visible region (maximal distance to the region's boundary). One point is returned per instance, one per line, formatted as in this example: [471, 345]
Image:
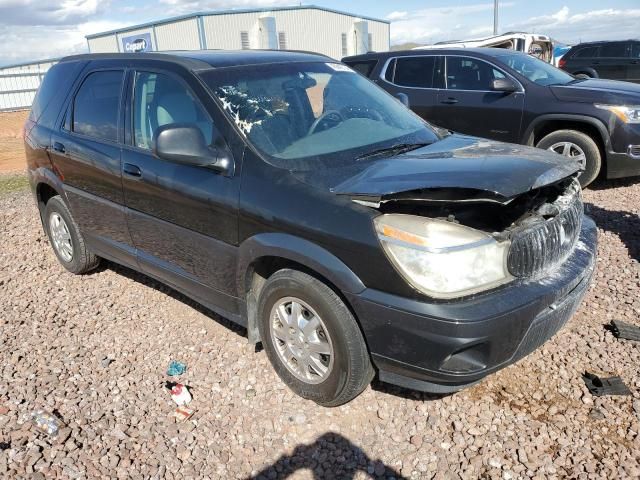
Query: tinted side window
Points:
[614, 50]
[415, 71]
[464, 73]
[635, 52]
[52, 92]
[162, 100]
[364, 67]
[96, 106]
[586, 52]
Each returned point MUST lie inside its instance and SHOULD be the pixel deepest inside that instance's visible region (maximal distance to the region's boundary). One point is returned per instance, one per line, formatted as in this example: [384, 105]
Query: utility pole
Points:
[495, 17]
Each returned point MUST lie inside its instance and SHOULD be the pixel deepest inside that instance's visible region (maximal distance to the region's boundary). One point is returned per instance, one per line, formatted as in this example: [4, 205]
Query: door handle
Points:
[132, 170]
[635, 62]
[58, 147]
[450, 101]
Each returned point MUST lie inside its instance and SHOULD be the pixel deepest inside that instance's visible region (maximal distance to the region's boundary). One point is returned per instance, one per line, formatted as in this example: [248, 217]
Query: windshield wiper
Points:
[393, 150]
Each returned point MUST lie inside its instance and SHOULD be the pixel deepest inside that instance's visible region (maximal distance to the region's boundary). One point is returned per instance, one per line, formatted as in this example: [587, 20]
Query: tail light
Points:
[562, 62]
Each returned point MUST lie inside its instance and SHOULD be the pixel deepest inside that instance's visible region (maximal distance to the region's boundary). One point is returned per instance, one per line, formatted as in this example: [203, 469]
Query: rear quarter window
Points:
[53, 91]
[364, 67]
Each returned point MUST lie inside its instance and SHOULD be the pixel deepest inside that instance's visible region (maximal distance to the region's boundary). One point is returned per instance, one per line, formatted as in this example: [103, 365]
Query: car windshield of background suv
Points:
[536, 70]
[306, 115]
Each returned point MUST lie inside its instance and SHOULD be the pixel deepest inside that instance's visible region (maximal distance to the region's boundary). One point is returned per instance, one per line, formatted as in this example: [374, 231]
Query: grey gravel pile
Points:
[94, 350]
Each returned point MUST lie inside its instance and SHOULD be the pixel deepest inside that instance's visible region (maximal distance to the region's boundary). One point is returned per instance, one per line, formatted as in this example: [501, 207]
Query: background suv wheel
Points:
[312, 339]
[578, 146]
[65, 238]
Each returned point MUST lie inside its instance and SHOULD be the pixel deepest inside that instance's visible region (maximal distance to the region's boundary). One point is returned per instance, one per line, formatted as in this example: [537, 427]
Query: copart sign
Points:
[137, 43]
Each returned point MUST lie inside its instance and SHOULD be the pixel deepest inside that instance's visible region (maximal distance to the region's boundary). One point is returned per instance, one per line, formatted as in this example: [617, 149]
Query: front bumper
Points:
[444, 347]
[621, 165]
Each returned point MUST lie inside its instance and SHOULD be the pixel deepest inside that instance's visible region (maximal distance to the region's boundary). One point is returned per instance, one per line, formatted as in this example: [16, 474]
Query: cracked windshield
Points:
[307, 110]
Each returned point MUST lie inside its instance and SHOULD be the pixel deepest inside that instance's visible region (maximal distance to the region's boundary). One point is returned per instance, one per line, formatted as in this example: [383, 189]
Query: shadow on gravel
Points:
[330, 456]
[167, 290]
[402, 392]
[602, 184]
[624, 224]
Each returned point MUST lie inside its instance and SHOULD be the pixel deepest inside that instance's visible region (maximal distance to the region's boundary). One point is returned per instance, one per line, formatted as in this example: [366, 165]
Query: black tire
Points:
[351, 371]
[586, 144]
[83, 260]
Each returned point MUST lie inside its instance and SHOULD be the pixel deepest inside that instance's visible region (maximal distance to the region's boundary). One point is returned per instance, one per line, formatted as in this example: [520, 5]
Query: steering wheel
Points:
[354, 111]
[333, 115]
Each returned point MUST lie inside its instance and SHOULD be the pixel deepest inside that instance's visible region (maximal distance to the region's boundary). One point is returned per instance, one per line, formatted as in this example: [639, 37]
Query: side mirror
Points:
[184, 143]
[505, 85]
[403, 98]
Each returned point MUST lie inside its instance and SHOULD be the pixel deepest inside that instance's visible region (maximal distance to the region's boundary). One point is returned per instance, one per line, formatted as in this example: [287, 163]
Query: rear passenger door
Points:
[613, 61]
[182, 218]
[469, 105]
[419, 77]
[86, 152]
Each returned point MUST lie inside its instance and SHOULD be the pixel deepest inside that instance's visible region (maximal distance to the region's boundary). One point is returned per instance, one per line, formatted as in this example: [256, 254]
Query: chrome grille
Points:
[542, 246]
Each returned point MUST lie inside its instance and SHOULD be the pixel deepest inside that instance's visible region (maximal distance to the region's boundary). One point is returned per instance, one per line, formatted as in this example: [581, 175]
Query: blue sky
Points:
[34, 29]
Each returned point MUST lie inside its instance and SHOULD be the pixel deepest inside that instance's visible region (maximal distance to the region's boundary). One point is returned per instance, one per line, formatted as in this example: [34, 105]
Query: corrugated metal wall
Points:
[314, 30]
[19, 83]
[182, 35]
[103, 44]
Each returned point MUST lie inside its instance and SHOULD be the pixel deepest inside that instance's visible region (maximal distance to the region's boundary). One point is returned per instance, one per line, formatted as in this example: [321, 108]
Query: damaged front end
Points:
[451, 243]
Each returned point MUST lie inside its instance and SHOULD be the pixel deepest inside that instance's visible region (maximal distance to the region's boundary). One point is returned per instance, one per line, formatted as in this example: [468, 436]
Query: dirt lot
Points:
[94, 349]
[11, 145]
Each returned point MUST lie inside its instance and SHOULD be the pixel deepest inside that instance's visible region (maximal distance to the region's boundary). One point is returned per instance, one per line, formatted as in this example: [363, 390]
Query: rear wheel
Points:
[578, 147]
[312, 339]
[66, 239]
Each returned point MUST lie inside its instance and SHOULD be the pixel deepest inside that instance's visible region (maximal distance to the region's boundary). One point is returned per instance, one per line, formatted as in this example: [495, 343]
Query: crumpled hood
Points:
[595, 90]
[502, 170]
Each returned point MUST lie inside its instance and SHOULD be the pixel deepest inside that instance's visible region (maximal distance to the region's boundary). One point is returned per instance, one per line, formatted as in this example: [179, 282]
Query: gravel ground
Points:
[534, 419]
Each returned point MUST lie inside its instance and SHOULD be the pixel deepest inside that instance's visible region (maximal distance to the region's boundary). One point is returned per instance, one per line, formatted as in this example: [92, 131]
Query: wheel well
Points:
[546, 128]
[257, 275]
[45, 192]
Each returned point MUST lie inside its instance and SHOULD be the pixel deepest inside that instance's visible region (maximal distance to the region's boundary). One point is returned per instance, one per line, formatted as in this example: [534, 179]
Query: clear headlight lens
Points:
[626, 113]
[440, 258]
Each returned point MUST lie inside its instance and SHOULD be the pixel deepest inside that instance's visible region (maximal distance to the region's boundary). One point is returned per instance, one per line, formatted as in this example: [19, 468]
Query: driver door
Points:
[469, 105]
[182, 218]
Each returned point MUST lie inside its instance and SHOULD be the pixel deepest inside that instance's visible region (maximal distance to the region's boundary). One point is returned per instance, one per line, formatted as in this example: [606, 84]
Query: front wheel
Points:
[312, 339]
[578, 147]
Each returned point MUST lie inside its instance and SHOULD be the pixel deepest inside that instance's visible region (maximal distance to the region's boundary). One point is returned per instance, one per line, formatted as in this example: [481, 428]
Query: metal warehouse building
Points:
[307, 27]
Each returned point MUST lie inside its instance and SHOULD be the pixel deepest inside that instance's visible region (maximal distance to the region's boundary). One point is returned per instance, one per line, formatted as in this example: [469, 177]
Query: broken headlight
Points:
[443, 259]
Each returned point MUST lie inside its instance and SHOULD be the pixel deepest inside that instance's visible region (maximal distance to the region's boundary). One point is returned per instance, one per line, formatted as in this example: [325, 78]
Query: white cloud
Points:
[434, 24]
[56, 12]
[20, 44]
[604, 24]
[183, 6]
[397, 15]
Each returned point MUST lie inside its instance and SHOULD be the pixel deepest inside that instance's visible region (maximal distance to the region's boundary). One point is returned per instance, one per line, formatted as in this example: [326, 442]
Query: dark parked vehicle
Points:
[294, 197]
[610, 60]
[514, 97]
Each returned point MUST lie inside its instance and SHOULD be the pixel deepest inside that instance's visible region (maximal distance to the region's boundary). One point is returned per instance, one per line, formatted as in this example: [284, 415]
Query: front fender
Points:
[299, 250]
[295, 249]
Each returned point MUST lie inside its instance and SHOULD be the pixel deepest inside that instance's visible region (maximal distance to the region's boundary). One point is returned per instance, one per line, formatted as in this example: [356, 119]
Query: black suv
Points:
[294, 197]
[514, 97]
[611, 60]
